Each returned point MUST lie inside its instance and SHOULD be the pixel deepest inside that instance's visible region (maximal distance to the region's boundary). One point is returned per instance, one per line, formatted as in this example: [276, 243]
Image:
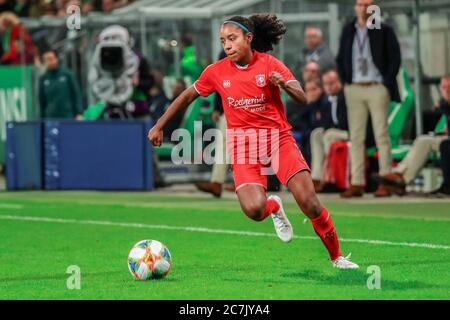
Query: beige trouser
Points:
[219, 170]
[361, 101]
[321, 140]
[417, 156]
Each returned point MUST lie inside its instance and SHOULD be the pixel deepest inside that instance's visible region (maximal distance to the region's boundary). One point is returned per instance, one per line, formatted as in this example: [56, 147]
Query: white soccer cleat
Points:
[282, 225]
[344, 263]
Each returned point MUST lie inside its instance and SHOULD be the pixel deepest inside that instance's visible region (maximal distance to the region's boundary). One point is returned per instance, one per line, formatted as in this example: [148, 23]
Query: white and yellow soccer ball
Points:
[149, 259]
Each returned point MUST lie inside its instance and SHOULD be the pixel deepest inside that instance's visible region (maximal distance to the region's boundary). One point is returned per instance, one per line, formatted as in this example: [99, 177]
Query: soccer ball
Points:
[149, 259]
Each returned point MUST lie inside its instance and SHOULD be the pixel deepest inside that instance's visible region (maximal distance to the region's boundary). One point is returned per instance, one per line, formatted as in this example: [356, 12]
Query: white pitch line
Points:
[10, 206]
[219, 231]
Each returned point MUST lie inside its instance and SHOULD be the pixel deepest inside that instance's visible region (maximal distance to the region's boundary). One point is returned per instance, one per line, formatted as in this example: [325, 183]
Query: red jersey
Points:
[249, 99]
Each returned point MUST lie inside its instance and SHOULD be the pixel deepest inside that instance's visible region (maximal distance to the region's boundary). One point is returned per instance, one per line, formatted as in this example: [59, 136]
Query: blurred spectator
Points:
[38, 8]
[316, 50]
[417, 156]
[311, 70]
[445, 166]
[158, 77]
[189, 66]
[108, 6]
[6, 5]
[159, 102]
[159, 105]
[335, 130]
[47, 9]
[142, 82]
[368, 62]
[105, 6]
[22, 8]
[176, 121]
[60, 8]
[59, 93]
[304, 119]
[219, 170]
[87, 6]
[17, 46]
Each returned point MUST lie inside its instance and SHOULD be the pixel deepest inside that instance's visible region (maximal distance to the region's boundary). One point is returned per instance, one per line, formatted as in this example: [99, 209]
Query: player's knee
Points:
[254, 210]
[310, 204]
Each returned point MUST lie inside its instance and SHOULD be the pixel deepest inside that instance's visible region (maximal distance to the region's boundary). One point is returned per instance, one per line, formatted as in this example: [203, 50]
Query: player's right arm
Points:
[204, 86]
[155, 135]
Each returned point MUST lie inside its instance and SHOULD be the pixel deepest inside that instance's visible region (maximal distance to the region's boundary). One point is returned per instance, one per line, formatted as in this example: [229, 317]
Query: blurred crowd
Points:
[58, 8]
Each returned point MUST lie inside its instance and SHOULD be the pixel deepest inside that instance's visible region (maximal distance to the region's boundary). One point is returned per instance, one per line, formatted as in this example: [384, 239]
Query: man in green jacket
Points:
[59, 93]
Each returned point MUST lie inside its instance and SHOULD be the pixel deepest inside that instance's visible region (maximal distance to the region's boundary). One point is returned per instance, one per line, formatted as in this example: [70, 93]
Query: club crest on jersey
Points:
[226, 83]
[261, 80]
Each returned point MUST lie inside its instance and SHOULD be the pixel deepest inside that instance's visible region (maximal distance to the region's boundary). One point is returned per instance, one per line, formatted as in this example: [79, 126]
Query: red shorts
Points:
[284, 161]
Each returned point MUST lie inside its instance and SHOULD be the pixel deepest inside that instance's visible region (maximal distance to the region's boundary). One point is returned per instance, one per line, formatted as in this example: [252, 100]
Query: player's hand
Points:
[155, 135]
[277, 79]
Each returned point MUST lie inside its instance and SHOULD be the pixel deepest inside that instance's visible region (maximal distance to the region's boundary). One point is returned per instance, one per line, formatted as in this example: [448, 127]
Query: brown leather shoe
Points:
[317, 186]
[400, 191]
[353, 191]
[393, 179]
[382, 191]
[210, 187]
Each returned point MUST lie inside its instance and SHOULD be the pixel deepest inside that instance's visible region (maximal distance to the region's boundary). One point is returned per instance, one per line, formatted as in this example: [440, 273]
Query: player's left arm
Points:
[292, 87]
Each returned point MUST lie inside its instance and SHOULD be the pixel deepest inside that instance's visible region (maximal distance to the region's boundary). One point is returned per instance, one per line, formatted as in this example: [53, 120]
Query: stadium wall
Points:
[73, 155]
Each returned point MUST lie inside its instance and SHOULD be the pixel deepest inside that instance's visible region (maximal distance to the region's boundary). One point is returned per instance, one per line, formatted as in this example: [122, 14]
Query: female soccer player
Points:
[249, 82]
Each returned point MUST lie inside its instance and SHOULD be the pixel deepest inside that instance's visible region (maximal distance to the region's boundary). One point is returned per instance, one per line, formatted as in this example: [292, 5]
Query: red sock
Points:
[271, 207]
[324, 228]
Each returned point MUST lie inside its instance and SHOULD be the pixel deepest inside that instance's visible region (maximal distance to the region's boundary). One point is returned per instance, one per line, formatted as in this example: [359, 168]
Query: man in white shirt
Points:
[368, 62]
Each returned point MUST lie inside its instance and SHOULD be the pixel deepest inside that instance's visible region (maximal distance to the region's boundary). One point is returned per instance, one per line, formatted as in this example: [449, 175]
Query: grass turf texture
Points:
[34, 255]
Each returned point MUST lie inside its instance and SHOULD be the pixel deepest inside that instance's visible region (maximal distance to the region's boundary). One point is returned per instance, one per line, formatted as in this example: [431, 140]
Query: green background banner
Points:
[16, 92]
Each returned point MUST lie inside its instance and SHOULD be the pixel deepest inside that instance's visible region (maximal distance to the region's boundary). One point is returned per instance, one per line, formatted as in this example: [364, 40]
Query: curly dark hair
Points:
[267, 30]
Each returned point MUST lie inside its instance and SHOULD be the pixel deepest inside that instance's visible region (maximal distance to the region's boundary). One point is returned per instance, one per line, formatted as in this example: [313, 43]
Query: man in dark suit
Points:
[368, 62]
[335, 130]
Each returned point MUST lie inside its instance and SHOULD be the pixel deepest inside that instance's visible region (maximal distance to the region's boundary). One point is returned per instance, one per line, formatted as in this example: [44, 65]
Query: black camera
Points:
[111, 59]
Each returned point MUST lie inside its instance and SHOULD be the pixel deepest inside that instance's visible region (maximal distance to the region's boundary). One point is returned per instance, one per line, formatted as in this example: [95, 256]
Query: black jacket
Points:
[320, 114]
[341, 112]
[445, 164]
[385, 53]
[307, 118]
[445, 109]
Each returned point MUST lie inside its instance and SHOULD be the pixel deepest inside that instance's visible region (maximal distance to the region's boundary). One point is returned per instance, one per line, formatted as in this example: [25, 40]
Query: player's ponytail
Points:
[267, 29]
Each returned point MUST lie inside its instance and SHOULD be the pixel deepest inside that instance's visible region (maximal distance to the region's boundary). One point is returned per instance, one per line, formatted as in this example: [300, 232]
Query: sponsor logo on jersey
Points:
[247, 102]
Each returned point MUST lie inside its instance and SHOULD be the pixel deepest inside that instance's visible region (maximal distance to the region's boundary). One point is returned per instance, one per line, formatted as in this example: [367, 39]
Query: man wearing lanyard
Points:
[368, 62]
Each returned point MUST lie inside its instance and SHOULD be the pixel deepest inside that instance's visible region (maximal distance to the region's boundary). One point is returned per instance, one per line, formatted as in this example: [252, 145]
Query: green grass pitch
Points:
[43, 233]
